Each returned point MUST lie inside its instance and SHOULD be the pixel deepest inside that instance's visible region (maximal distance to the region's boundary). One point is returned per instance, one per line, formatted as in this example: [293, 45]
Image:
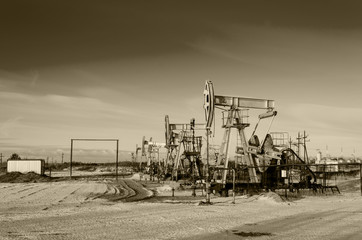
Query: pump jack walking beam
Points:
[211, 100]
[242, 102]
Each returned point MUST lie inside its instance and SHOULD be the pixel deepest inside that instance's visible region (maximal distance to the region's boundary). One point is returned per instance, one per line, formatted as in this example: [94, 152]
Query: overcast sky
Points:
[114, 69]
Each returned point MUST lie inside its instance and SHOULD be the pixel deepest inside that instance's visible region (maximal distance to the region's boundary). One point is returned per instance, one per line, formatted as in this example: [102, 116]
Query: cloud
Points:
[328, 119]
[8, 125]
[53, 118]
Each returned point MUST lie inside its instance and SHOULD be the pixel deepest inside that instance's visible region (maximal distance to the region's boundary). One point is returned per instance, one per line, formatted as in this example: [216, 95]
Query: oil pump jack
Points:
[256, 155]
[234, 109]
[135, 156]
[151, 151]
[187, 163]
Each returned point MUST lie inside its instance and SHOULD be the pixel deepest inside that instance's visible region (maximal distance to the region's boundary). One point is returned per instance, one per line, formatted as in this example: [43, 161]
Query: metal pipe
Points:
[71, 157]
[93, 139]
[227, 150]
[324, 175]
[207, 166]
[233, 186]
[117, 160]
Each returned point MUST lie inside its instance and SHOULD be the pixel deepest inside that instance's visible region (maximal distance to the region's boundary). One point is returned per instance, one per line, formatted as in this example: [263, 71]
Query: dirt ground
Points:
[102, 208]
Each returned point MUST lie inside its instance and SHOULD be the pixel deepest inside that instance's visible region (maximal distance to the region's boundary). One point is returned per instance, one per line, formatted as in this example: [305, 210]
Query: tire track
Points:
[120, 191]
[74, 194]
[131, 191]
[8, 187]
[140, 192]
[123, 190]
[70, 194]
[26, 189]
[34, 192]
[106, 194]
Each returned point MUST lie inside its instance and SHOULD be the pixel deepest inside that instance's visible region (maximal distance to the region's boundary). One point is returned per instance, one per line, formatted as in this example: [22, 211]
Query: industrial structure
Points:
[184, 149]
[264, 164]
[270, 162]
[151, 151]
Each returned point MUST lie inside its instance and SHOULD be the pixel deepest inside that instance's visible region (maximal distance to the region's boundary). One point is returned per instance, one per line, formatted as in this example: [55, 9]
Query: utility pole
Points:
[290, 142]
[302, 140]
[305, 147]
[298, 144]
[62, 157]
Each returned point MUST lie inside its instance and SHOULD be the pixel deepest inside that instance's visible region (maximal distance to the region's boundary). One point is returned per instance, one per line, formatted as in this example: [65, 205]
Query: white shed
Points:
[26, 165]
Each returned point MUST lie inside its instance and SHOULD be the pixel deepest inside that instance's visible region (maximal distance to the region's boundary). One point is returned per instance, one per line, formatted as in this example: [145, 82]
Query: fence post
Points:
[324, 175]
[233, 186]
[71, 158]
[117, 160]
[248, 182]
[287, 186]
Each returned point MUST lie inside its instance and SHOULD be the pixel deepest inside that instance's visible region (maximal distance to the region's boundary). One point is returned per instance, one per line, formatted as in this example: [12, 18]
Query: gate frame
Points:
[93, 140]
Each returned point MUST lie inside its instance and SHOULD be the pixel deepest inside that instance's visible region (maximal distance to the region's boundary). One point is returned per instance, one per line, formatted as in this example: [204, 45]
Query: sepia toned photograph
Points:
[179, 119]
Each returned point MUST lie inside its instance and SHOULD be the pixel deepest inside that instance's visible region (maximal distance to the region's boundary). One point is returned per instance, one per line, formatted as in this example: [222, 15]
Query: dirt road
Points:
[95, 210]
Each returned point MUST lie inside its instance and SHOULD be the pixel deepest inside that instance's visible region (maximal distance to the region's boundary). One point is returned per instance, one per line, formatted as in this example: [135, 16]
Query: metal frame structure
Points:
[152, 149]
[233, 106]
[93, 140]
[181, 135]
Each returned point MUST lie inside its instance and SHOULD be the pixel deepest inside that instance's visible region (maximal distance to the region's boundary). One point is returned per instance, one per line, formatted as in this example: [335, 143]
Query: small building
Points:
[26, 166]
